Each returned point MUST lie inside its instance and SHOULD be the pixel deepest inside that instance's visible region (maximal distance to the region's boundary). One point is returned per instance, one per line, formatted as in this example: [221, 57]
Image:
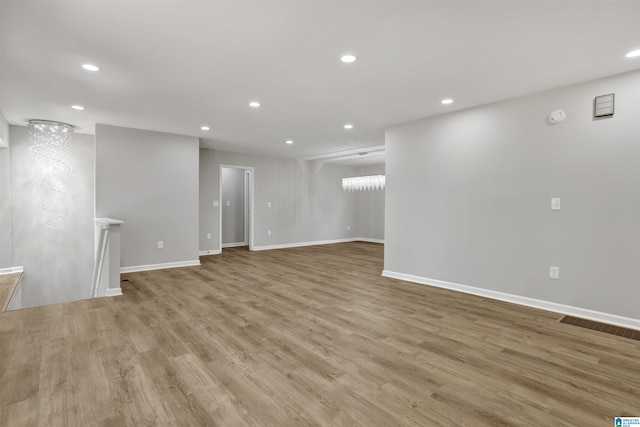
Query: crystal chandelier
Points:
[51, 143]
[363, 183]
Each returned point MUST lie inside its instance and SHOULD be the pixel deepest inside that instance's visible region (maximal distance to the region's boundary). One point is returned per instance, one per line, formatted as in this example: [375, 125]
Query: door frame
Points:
[248, 207]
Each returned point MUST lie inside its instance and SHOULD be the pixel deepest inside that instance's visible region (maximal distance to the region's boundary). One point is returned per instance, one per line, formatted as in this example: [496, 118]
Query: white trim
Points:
[348, 154]
[109, 221]
[210, 252]
[294, 245]
[232, 245]
[113, 292]
[611, 319]
[366, 239]
[11, 270]
[252, 179]
[316, 243]
[148, 267]
[299, 244]
[248, 209]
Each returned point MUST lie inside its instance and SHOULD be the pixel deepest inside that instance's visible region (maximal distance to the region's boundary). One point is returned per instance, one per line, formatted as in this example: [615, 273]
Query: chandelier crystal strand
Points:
[363, 183]
[51, 142]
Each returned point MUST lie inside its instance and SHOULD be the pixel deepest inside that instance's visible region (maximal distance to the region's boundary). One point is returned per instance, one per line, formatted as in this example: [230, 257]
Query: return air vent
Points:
[602, 327]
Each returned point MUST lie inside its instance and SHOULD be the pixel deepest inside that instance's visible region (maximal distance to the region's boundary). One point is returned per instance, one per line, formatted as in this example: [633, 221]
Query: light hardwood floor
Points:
[310, 336]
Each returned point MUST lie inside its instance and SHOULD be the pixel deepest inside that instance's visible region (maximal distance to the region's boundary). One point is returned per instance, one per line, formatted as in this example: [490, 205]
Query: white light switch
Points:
[268, 232]
[215, 204]
[268, 204]
[208, 235]
[160, 244]
[555, 203]
[554, 272]
[228, 203]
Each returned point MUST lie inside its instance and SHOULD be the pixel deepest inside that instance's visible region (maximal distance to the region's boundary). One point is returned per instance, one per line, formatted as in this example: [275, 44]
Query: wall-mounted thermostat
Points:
[603, 105]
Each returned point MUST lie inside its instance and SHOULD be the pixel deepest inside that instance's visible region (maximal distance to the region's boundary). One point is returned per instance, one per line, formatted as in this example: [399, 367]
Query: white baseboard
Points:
[148, 267]
[316, 243]
[11, 270]
[233, 245]
[113, 292]
[300, 244]
[366, 239]
[210, 252]
[598, 316]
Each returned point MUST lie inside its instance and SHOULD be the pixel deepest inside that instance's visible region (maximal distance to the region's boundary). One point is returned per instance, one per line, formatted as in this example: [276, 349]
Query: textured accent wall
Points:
[58, 264]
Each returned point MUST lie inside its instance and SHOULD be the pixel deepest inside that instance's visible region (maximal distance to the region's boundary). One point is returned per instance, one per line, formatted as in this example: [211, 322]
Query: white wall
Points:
[5, 196]
[150, 181]
[468, 198]
[208, 192]
[58, 264]
[307, 201]
[369, 210]
[233, 189]
[4, 131]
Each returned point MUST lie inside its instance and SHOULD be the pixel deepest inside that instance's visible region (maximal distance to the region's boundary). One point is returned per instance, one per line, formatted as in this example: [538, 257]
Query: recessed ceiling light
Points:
[288, 141]
[633, 53]
[446, 101]
[90, 67]
[204, 127]
[77, 107]
[254, 104]
[348, 126]
[348, 58]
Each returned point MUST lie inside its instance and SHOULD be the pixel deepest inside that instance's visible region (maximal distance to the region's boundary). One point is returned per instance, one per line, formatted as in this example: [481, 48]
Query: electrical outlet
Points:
[555, 203]
[348, 228]
[268, 204]
[268, 232]
[160, 244]
[209, 236]
[554, 272]
[215, 204]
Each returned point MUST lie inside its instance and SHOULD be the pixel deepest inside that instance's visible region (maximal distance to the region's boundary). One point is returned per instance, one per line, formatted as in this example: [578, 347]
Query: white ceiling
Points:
[173, 66]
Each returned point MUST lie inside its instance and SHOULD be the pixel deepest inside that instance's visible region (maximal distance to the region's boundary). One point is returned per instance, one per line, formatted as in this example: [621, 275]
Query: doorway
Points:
[236, 206]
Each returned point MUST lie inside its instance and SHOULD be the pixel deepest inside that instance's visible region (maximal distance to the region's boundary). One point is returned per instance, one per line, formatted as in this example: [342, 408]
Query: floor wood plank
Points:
[310, 336]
